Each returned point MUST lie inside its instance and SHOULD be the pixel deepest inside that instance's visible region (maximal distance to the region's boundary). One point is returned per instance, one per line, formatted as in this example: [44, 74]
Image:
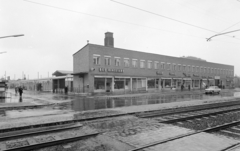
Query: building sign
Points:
[186, 75]
[111, 70]
[195, 75]
[159, 73]
[217, 77]
[172, 74]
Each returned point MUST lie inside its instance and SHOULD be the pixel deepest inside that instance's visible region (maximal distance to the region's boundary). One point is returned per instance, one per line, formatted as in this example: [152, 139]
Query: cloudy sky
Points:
[55, 29]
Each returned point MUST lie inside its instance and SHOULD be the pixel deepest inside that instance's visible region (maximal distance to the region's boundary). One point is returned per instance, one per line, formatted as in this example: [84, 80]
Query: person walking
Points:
[20, 90]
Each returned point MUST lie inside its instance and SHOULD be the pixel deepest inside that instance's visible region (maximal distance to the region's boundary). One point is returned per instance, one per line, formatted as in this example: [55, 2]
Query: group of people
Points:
[19, 90]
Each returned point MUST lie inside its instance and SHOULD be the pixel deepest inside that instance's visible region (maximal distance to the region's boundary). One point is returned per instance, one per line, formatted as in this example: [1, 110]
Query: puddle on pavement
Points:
[84, 104]
[2, 113]
[31, 112]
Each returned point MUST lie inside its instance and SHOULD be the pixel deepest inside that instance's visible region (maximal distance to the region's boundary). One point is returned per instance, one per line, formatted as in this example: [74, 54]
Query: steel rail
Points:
[57, 141]
[50, 130]
[187, 109]
[185, 135]
[197, 116]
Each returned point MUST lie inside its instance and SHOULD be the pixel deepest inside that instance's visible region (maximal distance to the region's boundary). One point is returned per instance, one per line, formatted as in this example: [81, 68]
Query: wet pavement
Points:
[61, 103]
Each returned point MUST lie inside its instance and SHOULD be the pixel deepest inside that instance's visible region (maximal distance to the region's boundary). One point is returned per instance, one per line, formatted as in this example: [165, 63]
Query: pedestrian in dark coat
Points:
[20, 90]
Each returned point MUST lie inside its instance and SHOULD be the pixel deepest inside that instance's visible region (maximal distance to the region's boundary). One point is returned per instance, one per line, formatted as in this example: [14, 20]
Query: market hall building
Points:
[104, 69]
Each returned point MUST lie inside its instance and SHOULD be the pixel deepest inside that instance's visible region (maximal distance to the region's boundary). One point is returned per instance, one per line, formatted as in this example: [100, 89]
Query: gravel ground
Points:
[211, 121]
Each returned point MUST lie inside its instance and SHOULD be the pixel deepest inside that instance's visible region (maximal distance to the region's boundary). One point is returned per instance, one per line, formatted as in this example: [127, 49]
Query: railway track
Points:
[211, 129]
[21, 132]
[147, 114]
[37, 143]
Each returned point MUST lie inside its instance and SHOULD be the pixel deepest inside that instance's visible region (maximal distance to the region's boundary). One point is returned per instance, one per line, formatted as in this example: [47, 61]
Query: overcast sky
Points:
[55, 29]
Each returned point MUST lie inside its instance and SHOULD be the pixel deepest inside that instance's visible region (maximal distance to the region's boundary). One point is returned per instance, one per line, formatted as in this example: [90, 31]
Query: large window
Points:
[96, 59]
[139, 83]
[117, 61]
[134, 63]
[107, 60]
[167, 83]
[151, 83]
[142, 63]
[119, 83]
[149, 64]
[126, 62]
[156, 65]
[99, 83]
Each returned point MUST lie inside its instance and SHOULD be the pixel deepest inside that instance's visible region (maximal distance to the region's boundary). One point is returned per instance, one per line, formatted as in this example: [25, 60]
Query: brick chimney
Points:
[108, 40]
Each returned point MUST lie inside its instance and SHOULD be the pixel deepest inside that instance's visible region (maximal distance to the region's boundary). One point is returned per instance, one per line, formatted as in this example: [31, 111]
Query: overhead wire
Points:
[97, 16]
[110, 19]
[159, 15]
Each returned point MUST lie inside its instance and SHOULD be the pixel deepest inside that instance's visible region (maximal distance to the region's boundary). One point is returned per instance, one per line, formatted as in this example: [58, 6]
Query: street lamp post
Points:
[13, 36]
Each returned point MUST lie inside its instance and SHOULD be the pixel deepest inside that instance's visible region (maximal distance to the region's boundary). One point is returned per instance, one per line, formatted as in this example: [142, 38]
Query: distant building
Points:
[104, 69]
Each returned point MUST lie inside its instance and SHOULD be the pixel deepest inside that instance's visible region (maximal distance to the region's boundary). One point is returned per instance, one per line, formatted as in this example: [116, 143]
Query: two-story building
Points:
[98, 68]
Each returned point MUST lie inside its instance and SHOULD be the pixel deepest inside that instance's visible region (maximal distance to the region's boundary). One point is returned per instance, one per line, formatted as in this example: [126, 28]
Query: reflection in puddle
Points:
[84, 104]
[2, 113]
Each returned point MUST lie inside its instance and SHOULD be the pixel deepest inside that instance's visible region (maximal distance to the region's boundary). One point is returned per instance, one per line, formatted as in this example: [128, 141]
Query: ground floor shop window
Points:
[119, 83]
[99, 83]
[187, 83]
[127, 84]
[211, 82]
[151, 83]
[176, 83]
[139, 83]
[167, 83]
[195, 83]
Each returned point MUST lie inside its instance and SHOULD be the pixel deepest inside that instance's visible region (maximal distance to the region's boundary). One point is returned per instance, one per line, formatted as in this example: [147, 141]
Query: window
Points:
[162, 65]
[149, 64]
[168, 66]
[126, 62]
[179, 67]
[197, 69]
[190, 68]
[193, 69]
[156, 65]
[134, 63]
[117, 61]
[184, 67]
[174, 67]
[107, 60]
[96, 59]
[142, 63]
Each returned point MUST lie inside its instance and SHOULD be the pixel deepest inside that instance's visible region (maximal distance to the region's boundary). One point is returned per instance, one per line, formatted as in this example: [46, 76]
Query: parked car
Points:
[212, 90]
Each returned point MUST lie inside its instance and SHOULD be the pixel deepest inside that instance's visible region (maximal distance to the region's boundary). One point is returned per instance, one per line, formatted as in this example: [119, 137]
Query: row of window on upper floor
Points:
[158, 65]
